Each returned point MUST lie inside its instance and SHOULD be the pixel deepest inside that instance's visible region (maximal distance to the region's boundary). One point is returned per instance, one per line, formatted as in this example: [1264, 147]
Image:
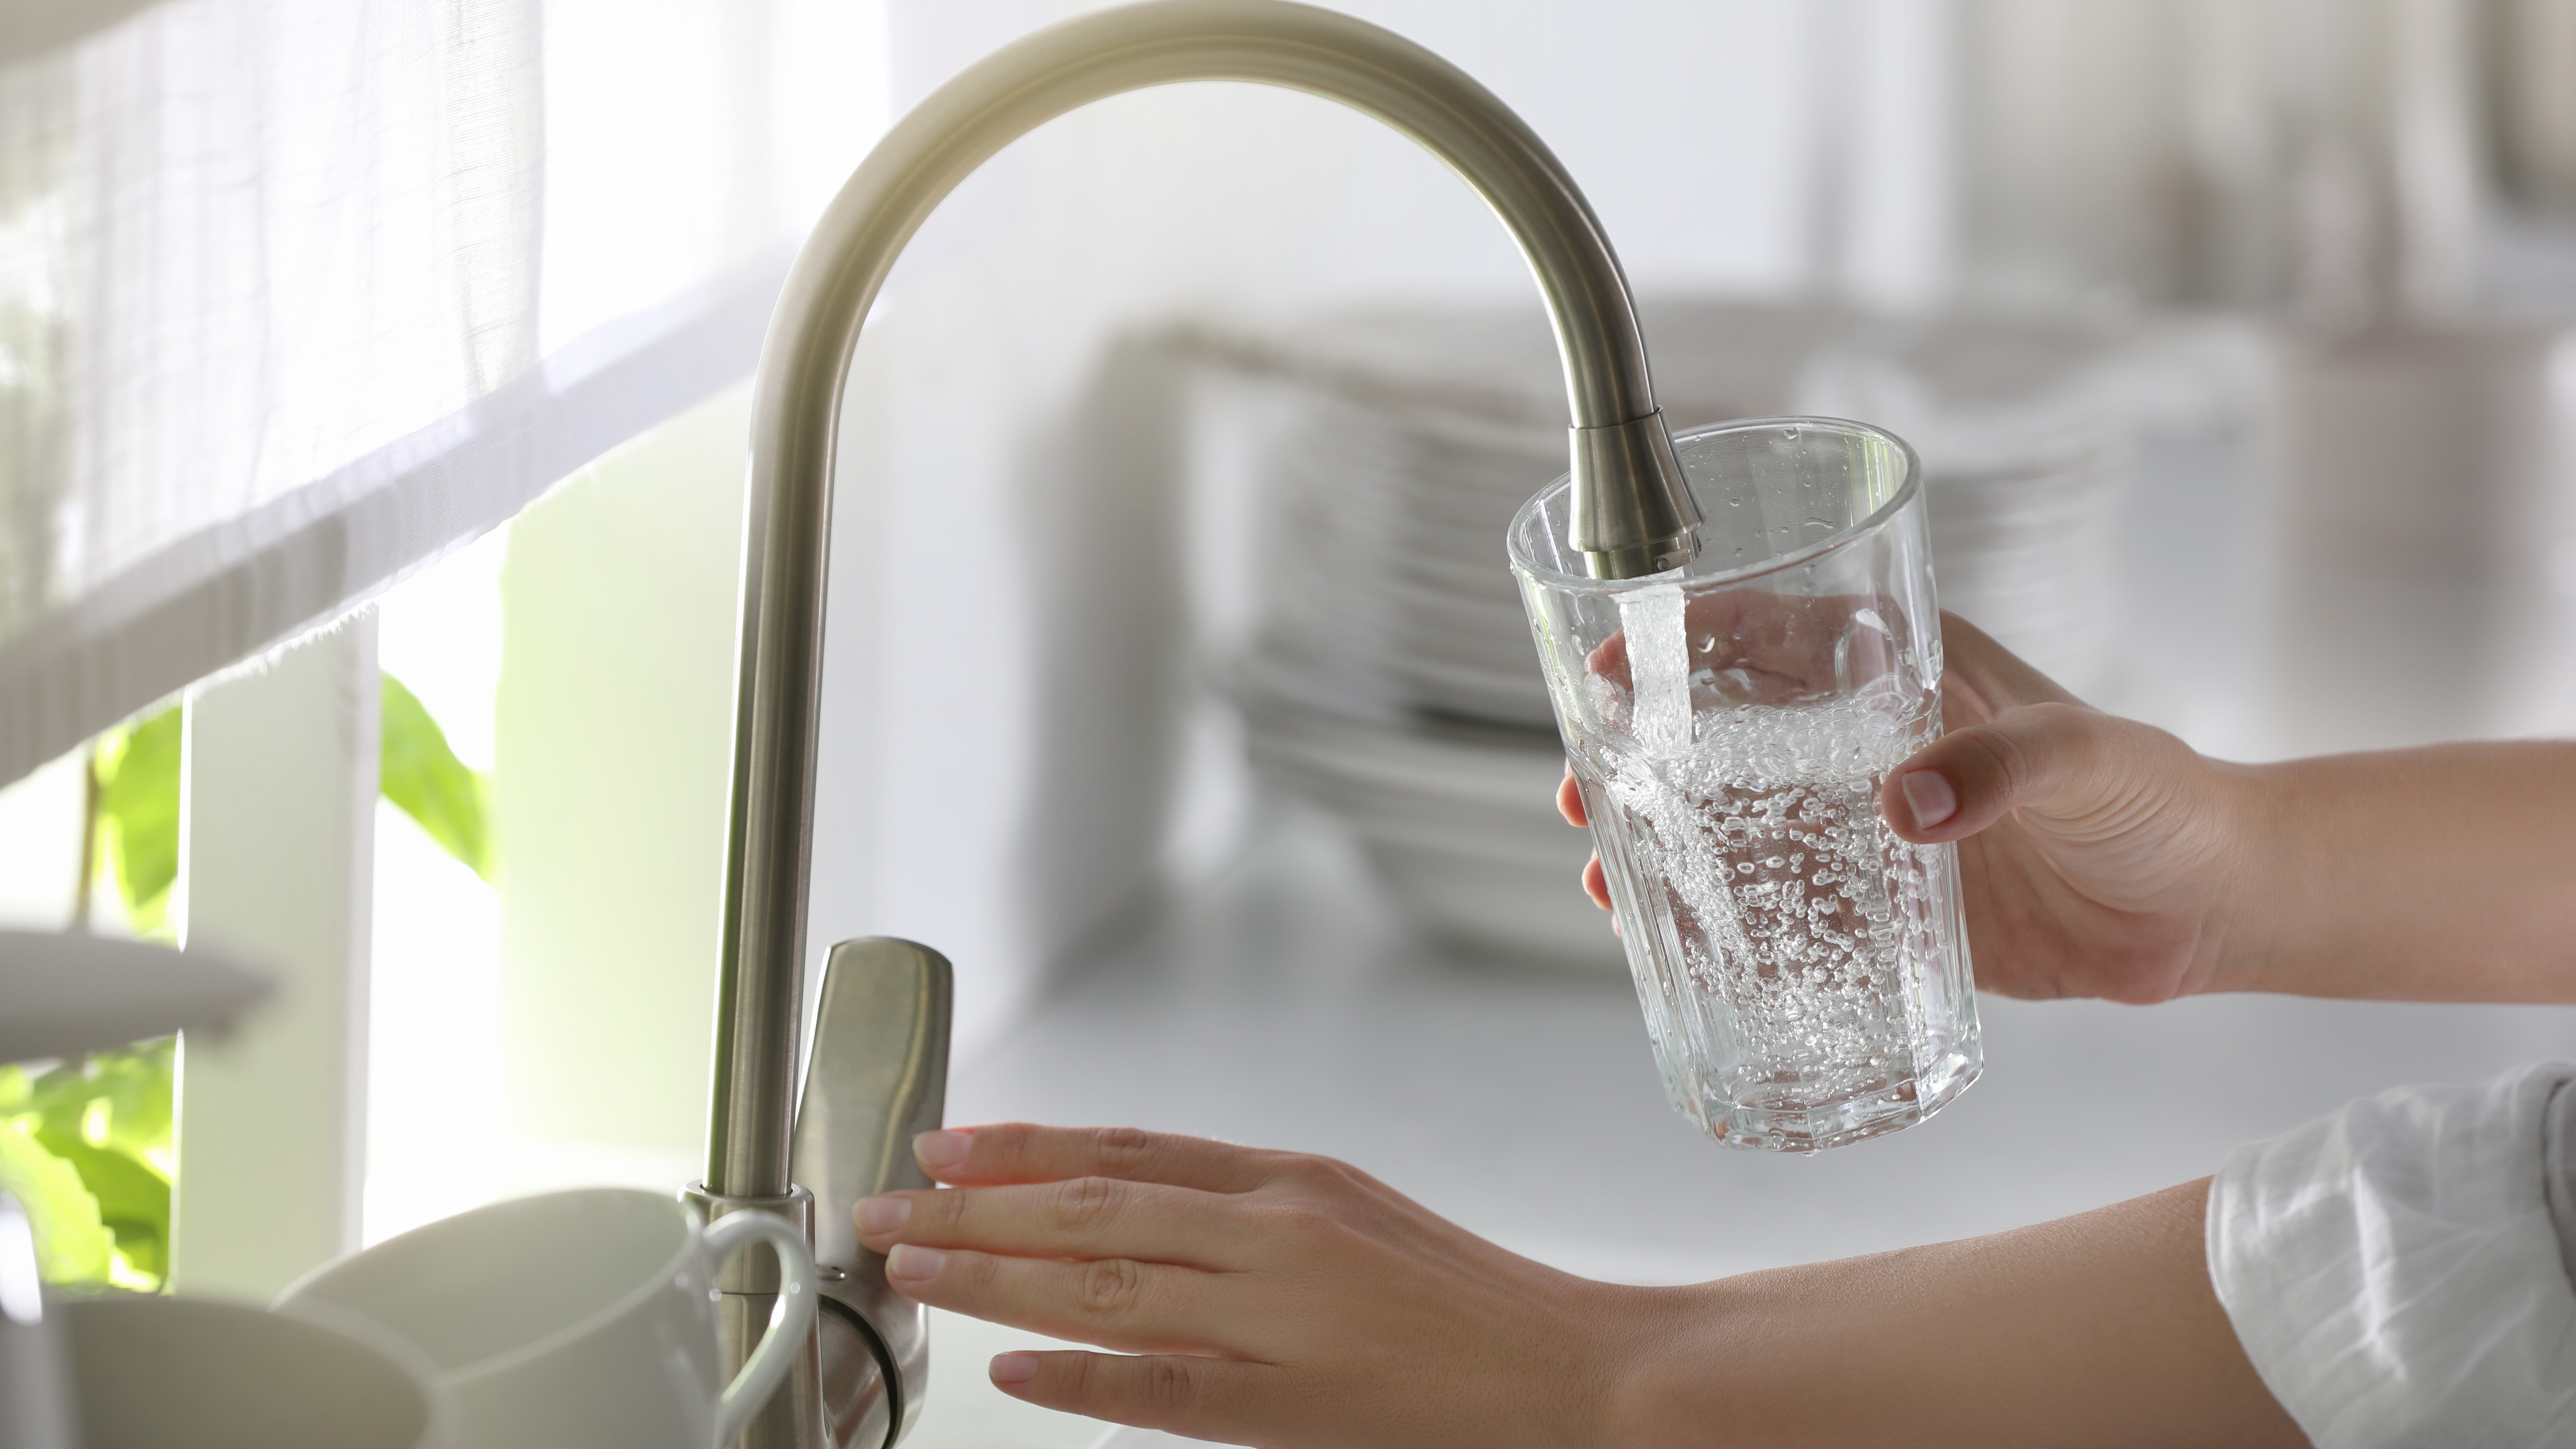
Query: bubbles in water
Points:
[1795, 938]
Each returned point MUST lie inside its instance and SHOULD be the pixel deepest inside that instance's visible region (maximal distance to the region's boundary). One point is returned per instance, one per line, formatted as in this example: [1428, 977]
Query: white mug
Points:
[578, 1318]
[154, 1372]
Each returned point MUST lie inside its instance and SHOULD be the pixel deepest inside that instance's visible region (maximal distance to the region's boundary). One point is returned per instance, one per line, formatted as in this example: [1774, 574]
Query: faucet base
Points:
[859, 1379]
[747, 1294]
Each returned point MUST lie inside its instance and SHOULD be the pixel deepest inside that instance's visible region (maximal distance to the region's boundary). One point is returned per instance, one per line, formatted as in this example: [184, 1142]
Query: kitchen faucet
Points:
[877, 1071]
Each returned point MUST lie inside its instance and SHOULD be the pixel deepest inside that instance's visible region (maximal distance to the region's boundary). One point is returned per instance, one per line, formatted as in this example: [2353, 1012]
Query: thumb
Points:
[2049, 757]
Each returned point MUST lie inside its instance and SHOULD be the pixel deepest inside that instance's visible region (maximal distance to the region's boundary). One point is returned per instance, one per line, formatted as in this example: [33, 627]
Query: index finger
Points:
[1011, 1152]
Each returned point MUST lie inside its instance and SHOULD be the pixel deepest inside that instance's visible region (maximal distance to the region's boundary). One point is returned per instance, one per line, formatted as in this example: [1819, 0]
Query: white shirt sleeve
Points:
[2395, 1270]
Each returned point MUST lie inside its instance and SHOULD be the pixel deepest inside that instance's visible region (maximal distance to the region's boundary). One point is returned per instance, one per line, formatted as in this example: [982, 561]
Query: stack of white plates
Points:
[1457, 818]
[1390, 676]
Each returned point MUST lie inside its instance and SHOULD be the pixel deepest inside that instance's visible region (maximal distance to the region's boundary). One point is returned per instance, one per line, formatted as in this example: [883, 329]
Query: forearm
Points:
[2100, 1329]
[2439, 874]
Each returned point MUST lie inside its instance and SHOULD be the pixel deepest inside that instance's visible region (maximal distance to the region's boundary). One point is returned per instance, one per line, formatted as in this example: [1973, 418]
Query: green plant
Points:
[134, 778]
[106, 1118]
[86, 1145]
[423, 776]
[72, 1244]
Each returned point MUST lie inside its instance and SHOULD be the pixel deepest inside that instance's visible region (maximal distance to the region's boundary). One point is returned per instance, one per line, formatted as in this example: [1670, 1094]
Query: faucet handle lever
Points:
[877, 1076]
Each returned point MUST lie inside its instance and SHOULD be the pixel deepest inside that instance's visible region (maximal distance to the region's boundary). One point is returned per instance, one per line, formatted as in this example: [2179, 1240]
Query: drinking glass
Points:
[1804, 971]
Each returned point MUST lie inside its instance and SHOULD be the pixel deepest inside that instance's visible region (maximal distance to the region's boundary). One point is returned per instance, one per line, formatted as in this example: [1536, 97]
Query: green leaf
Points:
[109, 1118]
[118, 1100]
[423, 776]
[133, 1200]
[138, 804]
[72, 1245]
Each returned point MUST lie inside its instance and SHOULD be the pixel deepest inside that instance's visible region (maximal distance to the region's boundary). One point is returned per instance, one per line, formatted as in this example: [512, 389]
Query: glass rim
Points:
[1843, 537]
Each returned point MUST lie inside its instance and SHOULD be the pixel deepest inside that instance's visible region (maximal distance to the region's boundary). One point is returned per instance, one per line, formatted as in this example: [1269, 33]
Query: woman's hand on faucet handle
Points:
[1276, 1299]
[2098, 854]
[1253, 1297]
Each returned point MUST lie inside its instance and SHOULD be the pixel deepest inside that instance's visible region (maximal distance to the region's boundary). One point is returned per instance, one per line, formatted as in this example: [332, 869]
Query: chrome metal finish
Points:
[878, 1077]
[805, 361]
[747, 1288]
[1625, 528]
[1630, 488]
[858, 1394]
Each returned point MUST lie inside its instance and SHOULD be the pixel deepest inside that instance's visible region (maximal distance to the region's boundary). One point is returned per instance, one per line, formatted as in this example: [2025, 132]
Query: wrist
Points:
[2256, 820]
[1669, 1370]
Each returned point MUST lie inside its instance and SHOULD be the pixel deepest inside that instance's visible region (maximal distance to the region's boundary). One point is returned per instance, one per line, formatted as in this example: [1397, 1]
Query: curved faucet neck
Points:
[1632, 513]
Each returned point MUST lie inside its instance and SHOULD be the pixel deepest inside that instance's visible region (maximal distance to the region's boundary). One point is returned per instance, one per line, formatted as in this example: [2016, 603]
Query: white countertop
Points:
[1281, 1004]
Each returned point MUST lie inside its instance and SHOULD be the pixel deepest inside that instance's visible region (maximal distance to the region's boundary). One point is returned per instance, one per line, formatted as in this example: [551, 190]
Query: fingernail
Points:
[883, 1214]
[913, 1264]
[1014, 1368]
[942, 1148]
[1930, 797]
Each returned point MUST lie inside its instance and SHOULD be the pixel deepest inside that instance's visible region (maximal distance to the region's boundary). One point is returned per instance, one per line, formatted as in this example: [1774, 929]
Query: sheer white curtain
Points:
[296, 295]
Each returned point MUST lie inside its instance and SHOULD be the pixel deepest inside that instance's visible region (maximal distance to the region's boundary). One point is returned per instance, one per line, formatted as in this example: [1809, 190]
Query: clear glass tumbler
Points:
[1804, 971]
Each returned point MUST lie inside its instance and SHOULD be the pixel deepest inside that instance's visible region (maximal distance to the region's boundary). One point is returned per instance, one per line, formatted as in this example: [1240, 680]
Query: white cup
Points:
[578, 1318]
[156, 1372]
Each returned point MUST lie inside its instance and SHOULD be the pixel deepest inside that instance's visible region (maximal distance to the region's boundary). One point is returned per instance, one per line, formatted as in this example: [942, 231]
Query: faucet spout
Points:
[1633, 514]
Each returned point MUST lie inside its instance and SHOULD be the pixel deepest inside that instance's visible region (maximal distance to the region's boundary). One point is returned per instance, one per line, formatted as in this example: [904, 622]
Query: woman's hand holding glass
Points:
[2099, 855]
[2104, 857]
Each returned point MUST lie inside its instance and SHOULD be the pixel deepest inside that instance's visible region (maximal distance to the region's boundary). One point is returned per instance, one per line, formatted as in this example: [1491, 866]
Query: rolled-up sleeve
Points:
[2396, 1271]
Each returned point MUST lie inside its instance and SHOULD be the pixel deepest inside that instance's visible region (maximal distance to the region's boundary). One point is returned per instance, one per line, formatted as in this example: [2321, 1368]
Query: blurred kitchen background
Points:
[2238, 339]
